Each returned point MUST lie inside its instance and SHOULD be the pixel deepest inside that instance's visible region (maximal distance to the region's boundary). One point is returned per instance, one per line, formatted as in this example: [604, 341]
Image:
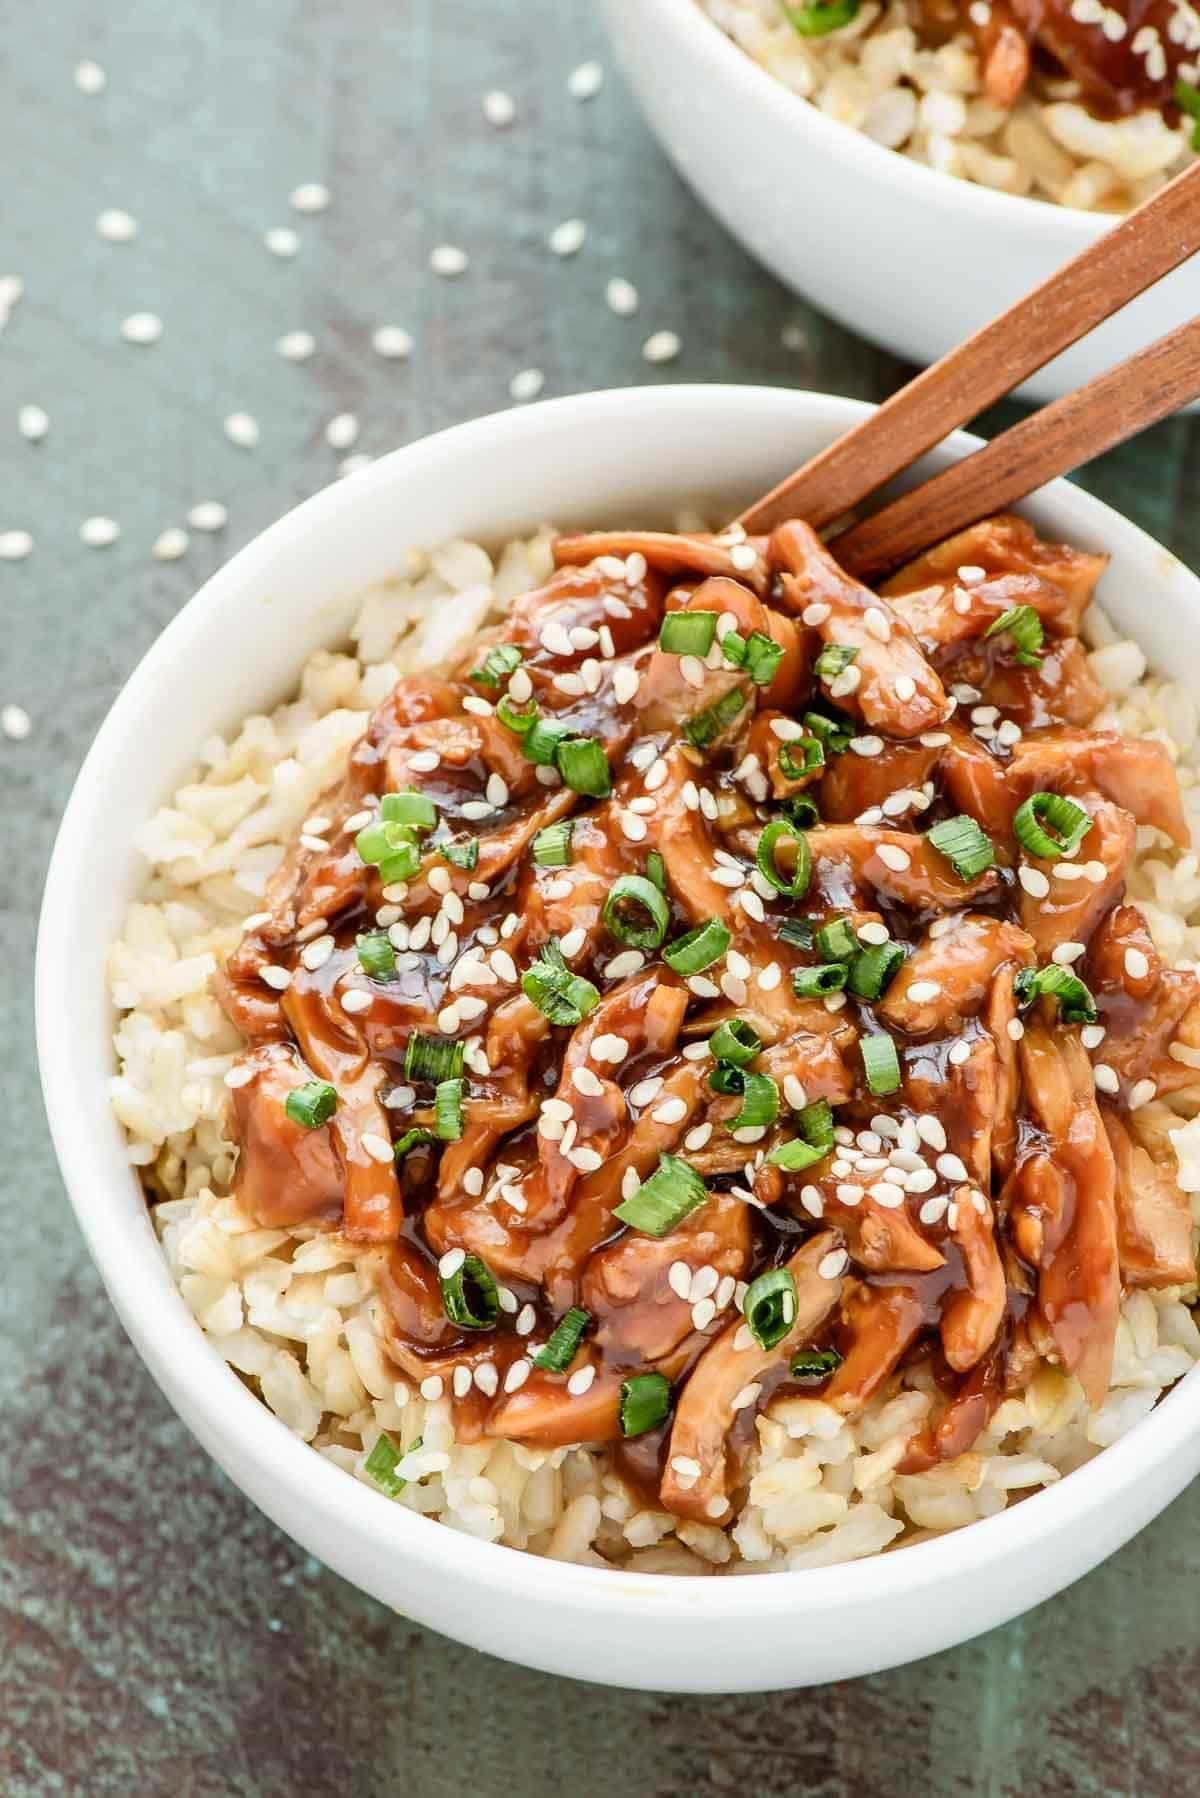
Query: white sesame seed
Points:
[342, 431]
[630, 961]
[580, 1380]
[686, 1467]
[450, 1263]
[646, 1091]
[282, 241]
[877, 622]
[314, 955]
[703, 1313]
[661, 346]
[951, 1167]
[141, 328]
[432, 1387]
[448, 260]
[833, 1264]
[1137, 964]
[1141, 1093]
[573, 942]
[633, 828]
[905, 687]
[671, 1111]
[1065, 953]
[90, 78]
[238, 1076]
[1034, 882]
[526, 384]
[585, 82]
[933, 1210]
[392, 342]
[1015, 1029]
[873, 933]
[1105, 1078]
[208, 515]
[751, 904]
[99, 533]
[296, 346]
[499, 108]
[744, 1399]
[921, 992]
[310, 196]
[846, 683]
[356, 1000]
[15, 545]
[867, 746]
[893, 857]
[461, 1381]
[241, 429]
[697, 1139]
[621, 297]
[516, 1376]
[1092, 1035]
[567, 239]
[32, 423]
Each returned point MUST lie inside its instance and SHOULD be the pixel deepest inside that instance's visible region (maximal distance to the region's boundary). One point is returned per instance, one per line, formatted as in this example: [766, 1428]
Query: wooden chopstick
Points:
[1148, 244]
[1149, 386]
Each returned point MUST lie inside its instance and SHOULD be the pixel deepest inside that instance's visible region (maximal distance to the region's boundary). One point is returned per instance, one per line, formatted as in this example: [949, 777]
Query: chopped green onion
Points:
[758, 654]
[564, 1339]
[645, 1401]
[836, 940]
[798, 932]
[796, 1155]
[698, 949]
[816, 1124]
[636, 912]
[376, 956]
[433, 1058]
[814, 1364]
[470, 1296]
[764, 855]
[413, 1139]
[735, 1042]
[381, 1464]
[1075, 1003]
[1025, 628]
[402, 865]
[804, 756]
[708, 725]
[873, 970]
[498, 664]
[390, 847]
[770, 1306]
[1049, 825]
[447, 1110]
[552, 845]
[881, 1064]
[312, 1104]
[834, 733]
[1187, 98]
[656, 870]
[511, 715]
[821, 17]
[542, 739]
[665, 1199]
[726, 1077]
[559, 995]
[801, 811]
[584, 766]
[410, 809]
[688, 633]
[814, 983]
[968, 849]
[833, 660]
[462, 851]
[760, 1103]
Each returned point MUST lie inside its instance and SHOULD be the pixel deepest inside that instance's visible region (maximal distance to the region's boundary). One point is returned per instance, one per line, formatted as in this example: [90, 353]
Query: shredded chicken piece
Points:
[1154, 1219]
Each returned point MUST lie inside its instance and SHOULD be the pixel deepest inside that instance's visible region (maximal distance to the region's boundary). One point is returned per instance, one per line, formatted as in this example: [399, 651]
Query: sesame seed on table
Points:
[242, 242]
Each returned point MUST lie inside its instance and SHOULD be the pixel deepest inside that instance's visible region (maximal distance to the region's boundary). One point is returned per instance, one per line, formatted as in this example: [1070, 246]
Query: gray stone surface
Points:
[157, 1636]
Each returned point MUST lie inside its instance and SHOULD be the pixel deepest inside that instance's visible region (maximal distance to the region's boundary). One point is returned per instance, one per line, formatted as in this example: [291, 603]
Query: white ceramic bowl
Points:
[913, 259]
[237, 647]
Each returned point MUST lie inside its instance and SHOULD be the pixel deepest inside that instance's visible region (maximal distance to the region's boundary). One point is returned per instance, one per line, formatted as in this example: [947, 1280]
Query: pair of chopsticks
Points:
[1149, 386]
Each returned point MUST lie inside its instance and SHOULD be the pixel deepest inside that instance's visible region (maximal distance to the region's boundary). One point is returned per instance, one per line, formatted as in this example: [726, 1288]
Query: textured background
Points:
[158, 1636]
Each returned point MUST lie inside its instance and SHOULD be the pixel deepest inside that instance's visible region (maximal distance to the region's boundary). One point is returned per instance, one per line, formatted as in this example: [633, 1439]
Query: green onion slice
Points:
[688, 633]
[1049, 825]
[584, 766]
[413, 1139]
[1075, 1002]
[1025, 628]
[542, 739]
[798, 932]
[698, 949]
[802, 757]
[770, 1306]
[764, 855]
[814, 1364]
[836, 940]
[665, 1199]
[447, 1110]
[873, 970]
[564, 1339]
[816, 1124]
[470, 1296]
[708, 725]
[410, 809]
[636, 912]
[735, 1042]
[881, 1064]
[645, 1401]
[821, 17]
[1187, 98]
[312, 1104]
[462, 851]
[381, 1464]
[833, 660]
[795, 1156]
[834, 733]
[433, 1058]
[758, 654]
[552, 845]
[375, 954]
[656, 870]
[760, 1103]
[498, 664]
[968, 849]
[726, 1077]
[560, 995]
[402, 865]
[814, 983]
[390, 847]
[801, 811]
[511, 715]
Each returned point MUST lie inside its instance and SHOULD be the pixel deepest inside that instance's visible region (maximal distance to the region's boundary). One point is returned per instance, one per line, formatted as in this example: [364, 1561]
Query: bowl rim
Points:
[199, 1384]
[1070, 228]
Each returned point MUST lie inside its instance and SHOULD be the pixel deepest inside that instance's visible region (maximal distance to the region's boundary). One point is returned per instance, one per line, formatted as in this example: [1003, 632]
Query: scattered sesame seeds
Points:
[585, 82]
[170, 544]
[15, 545]
[90, 78]
[32, 423]
[208, 515]
[661, 346]
[1033, 881]
[355, 999]
[526, 384]
[580, 1381]
[1092, 1035]
[1065, 953]
[893, 857]
[116, 226]
[448, 260]
[833, 1264]
[296, 346]
[342, 431]
[1106, 1078]
[278, 978]
[499, 108]
[1137, 964]
[921, 992]
[905, 687]
[431, 1388]
[98, 532]
[568, 238]
[241, 429]
[15, 723]
[1015, 1029]
[621, 297]
[142, 328]
[310, 196]
[282, 241]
